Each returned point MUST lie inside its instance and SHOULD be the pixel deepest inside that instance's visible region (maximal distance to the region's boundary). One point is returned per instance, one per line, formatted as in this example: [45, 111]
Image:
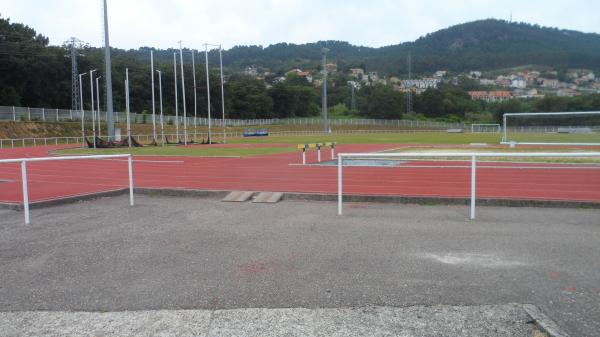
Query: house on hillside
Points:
[475, 75]
[490, 96]
[357, 72]
[300, 73]
[440, 74]
[518, 82]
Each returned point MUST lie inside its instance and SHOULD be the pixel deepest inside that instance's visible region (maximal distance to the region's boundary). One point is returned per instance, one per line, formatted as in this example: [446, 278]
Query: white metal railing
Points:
[24, 162]
[472, 155]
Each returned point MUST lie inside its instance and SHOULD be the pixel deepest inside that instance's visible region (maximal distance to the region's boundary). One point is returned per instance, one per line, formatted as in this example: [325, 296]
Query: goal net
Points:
[552, 128]
[486, 128]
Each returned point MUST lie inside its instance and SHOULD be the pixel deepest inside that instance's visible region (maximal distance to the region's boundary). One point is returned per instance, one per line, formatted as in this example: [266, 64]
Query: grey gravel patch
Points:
[200, 253]
[474, 260]
[488, 320]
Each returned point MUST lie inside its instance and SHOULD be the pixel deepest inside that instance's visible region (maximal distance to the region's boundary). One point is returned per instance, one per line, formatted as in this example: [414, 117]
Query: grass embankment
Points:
[172, 150]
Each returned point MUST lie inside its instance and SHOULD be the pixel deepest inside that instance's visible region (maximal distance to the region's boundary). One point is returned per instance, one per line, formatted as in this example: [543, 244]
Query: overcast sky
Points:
[160, 23]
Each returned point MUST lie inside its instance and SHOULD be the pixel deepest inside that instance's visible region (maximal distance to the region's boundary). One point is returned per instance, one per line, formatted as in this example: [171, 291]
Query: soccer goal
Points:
[486, 128]
[552, 128]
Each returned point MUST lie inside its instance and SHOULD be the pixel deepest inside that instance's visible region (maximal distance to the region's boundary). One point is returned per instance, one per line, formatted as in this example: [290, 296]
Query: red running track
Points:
[49, 180]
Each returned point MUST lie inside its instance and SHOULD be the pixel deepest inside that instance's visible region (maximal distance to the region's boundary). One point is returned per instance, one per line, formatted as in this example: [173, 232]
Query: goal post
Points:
[486, 128]
[552, 128]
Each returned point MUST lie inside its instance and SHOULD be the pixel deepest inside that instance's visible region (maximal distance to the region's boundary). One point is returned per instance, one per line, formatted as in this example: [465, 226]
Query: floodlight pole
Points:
[127, 106]
[98, 103]
[176, 102]
[162, 126]
[153, 105]
[324, 99]
[185, 135]
[108, 77]
[222, 94]
[208, 93]
[82, 111]
[504, 136]
[93, 113]
[195, 100]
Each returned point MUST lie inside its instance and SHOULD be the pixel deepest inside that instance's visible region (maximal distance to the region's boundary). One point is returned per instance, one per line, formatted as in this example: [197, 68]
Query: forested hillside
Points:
[34, 73]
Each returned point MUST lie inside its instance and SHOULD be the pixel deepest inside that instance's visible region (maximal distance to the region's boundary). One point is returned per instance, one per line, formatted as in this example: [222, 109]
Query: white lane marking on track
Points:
[149, 161]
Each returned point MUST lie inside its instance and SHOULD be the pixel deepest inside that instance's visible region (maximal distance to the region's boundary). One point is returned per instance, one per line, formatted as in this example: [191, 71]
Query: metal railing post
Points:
[130, 169]
[25, 192]
[318, 154]
[473, 180]
[339, 185]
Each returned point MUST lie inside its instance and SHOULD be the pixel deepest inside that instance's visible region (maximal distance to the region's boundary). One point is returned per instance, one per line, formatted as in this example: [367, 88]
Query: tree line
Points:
[38, 75]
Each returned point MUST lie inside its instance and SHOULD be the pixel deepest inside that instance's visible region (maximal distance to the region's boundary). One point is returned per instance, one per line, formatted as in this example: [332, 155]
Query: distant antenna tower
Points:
[409, 98]
[73, 44]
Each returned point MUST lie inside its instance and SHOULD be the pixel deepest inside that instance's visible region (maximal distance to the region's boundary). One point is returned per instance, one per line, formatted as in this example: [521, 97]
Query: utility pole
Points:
[162, 126]
[208, 93]
[409, 98]
[324, 99]
[98, 104]
[195, 100]
[73, 43]
[108, 78]
[185, 134]
[127, 106]
[93, 113]
[153, 105]
[176, 102]
[222, 94]
[81, 106]
[409, 86]
[353, 99]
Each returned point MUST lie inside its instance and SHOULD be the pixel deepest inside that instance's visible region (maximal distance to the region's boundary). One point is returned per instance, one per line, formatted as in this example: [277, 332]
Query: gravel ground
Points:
[191, 253]
[440, 321]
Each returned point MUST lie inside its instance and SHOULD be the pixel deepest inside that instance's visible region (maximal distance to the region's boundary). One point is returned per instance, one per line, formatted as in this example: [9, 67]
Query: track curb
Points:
[393, 199]
[544, 322]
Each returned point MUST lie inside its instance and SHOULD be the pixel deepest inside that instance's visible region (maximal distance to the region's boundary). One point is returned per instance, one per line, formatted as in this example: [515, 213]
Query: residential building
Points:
[475, 75]
[423, 83]
[440, 74]
[549, 83]
[518, 82]
[251, 70]
[503, 81]
[490, 96]
[373, 77]
[357, 72]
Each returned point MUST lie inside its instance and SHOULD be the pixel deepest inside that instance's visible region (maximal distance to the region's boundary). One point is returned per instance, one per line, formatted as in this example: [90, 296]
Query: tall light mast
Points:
[108, 78]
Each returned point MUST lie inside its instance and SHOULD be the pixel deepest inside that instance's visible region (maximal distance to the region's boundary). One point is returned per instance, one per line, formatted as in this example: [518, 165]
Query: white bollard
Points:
[25, 192]
[130, 169]
[339, 185]
[473, 180]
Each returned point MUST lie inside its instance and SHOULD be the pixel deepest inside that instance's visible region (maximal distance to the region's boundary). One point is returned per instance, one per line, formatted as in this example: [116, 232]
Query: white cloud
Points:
[135, 23]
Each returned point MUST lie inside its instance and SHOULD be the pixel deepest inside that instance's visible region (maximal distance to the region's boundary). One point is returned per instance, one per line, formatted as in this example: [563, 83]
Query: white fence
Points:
[24, 162]
[42, 141]
[14, 113]
[472, 155]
